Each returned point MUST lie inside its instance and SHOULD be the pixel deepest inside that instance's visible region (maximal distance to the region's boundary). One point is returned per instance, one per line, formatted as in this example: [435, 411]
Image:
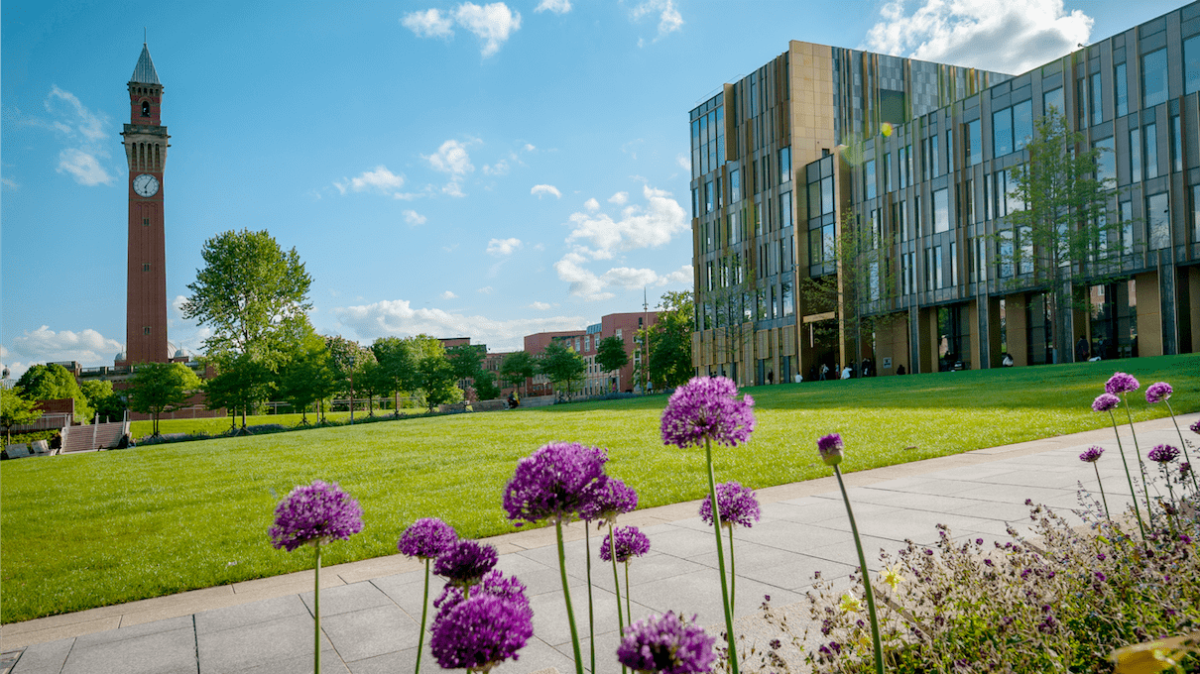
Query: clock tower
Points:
[145, 140]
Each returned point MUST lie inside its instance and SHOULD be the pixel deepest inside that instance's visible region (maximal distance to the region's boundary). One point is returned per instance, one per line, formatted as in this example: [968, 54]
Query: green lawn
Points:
[218, 425]
[85, 531]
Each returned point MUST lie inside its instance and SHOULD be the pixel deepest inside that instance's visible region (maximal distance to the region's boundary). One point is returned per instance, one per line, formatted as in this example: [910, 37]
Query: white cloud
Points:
[453, 189]
[414, 218]
[84, 167]
[619, 198]
[529, 147]
[486, 290]
[600, 237]
[540, 306]
[500, 168]
[492, 24]
[380, 180]
[430, 23]
[448, 295]
[583, 282]
[539, 190]
[77, 119]
[592, 287]
[398, 317]
[669, 18]
[684, 162]
[556, 6]
[592, 204]
[1011, 37]
[452, 158]
[44, 345]
[503, 247]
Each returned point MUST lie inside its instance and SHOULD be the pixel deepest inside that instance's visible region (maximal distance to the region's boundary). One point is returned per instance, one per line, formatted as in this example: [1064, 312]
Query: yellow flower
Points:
[850, 603]
[892, 576]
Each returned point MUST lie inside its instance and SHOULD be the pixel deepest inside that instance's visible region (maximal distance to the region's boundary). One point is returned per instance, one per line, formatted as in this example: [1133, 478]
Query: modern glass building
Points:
[922, 160]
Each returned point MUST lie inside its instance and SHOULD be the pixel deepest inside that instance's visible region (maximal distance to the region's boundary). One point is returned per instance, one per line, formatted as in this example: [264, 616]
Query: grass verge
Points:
[218, 425]
[111, 527]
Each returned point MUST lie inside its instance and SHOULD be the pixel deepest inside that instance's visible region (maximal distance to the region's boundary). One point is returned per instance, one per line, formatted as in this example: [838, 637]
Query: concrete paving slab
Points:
[299, 664]
[110, 636]
[49, 656]
[256, 644]
[699, 593]
[253, 613]
[370, 632]
[171, 652]
[347, 598]
[407, 590]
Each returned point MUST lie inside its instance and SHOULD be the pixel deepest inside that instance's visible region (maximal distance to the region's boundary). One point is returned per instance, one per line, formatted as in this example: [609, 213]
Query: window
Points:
[785, 165]
[969, 189]
[146, 330]
[735, 186]
[145, 222]
[1106, 161]
[949, 150]
[941, 210]
[1125, 213]
[1082, 97]
[785, 208]
[1154, 78]
[987, 197]
[145, 108]
[1176, 145]
[1002, 128]
[145, 266]
[1122, 93]
[974, 139]
[1022, 124]
[1097, 108]
[953, 263]
[1158, 216]
[937, 267]
[869, 179]
[1052, 102]
[1191, 64]
[1196, 213]
[917, 219]
[708, 197]
[1025, 237]
[788, 309]
[887, 171]
[1135, 155]
[826, 195]
[695, 203]
[904, 159]
[1004, 252]
[1150, 137]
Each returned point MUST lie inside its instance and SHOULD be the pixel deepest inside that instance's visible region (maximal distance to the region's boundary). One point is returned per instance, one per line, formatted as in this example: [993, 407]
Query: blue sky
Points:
[486, 170]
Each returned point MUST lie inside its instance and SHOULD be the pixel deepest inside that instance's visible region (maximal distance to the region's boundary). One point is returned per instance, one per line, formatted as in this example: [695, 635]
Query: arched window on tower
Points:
[145, 108]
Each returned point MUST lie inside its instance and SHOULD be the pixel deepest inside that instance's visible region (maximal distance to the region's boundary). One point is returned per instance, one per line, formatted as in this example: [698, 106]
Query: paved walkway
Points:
[370, 610]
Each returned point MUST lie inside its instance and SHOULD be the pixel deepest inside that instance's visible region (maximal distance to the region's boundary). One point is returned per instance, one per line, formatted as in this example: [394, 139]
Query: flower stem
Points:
[1183, 446]
[562, 569]
[317, 611]
[716, 511]
[1132, 491]
[628, 610]
[587, 549]
[1102, 496]
[866, 576]
[424, 616]
[1137, 451]
[612, 548]
[732, 572]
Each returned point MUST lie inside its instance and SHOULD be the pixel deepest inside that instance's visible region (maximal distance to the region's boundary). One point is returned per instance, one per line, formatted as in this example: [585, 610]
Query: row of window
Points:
[761, 304]
[713, 197]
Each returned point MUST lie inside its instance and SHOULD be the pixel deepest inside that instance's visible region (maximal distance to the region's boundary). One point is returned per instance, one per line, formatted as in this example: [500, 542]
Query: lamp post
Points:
[352, 388]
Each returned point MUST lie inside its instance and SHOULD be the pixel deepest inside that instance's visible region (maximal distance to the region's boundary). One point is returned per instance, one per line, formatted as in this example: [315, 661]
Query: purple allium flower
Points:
[1101, 577]
[1092, 455]
[427, 538]
[1105, 402]
[315, 514]
[494, 583]
[1184, 468]
[466, 562]
[1158, 392]
[481, 632]
[830, 446]
[630, 542]
[1121, 383]
[555, 482]
[705, 408]
[612, 499]
[667, 644]
[737, 505]
[1163, 454]
[1195, 428]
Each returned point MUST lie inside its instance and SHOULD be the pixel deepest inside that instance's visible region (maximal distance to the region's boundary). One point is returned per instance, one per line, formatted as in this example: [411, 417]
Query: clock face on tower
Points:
[145, 185]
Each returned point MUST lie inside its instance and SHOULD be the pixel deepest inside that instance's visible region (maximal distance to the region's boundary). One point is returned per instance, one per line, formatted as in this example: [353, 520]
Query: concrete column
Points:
[1016, 329]
[1149, 314]
[977, 324]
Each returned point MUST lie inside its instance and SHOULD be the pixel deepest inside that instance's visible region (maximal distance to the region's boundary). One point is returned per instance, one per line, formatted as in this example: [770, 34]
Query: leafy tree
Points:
[733, 307]
[16, 410]
[671, 340]
[435, 374]
[517, 367]
[1060, 229]
[562, 366]
[397, 360]
[248, 293]
[611, 354]
[156, 388]
[485, 386]
[350, 362]
[466, 360]
[242, 382]
[374, 381]
[307, 376]
[55, 382]
[862, 293]
[106, 402]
